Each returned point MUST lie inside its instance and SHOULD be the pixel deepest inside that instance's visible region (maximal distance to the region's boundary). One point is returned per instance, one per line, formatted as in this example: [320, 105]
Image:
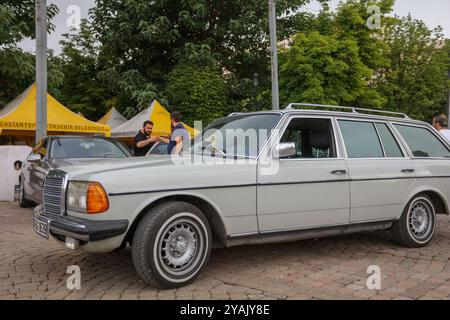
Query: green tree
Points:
[402, 66]
[198, 93]
[417, 81]
[334, 57]
[142, 41]
[324, 69]
[82, 90]
[17, 68]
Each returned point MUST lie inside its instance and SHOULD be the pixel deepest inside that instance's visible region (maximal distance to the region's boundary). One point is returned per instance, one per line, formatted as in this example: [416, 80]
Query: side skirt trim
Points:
[305, 234]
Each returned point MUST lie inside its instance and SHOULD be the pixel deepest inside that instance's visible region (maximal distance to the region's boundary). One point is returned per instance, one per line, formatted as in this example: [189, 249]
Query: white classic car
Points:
[308, 172]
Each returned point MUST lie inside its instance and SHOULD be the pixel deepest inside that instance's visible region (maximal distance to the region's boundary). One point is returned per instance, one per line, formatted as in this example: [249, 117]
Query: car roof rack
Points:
[293, 106]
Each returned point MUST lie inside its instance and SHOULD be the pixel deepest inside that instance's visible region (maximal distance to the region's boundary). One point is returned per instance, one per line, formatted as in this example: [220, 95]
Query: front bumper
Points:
[82, 229]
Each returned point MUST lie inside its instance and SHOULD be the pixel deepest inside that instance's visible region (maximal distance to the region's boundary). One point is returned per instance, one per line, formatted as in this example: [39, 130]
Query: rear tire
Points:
[23, 201]
[417, 224]
[171, 245]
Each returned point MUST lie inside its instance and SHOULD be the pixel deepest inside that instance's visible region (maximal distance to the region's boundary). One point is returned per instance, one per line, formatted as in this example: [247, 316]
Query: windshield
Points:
[237, 135]
[86, 148]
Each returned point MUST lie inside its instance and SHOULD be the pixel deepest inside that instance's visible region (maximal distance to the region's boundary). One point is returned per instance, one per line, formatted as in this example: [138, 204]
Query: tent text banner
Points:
[19, 117]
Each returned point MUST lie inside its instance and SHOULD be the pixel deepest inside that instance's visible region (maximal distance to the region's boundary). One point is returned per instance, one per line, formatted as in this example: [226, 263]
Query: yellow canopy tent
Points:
[155, 113]
[18, 118]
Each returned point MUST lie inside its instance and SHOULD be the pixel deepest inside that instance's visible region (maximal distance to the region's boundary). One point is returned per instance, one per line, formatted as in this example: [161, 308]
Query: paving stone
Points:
[34, 268]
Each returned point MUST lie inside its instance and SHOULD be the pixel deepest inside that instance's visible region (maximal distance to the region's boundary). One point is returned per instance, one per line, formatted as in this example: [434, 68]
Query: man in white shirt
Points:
[440, 123]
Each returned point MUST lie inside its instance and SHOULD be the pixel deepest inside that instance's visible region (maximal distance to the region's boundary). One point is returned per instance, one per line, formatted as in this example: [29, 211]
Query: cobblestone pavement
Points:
[335, 268]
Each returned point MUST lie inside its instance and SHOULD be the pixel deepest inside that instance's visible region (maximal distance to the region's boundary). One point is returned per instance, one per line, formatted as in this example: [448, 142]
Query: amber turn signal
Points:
[97, 199]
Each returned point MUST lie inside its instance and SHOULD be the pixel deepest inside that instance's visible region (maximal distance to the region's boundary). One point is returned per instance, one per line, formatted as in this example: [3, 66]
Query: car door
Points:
[380, 171]
[430, 154]
[309, 189]
[38, 170]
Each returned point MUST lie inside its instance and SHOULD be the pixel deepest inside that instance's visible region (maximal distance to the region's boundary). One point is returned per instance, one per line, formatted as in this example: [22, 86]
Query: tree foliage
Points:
[417, 80]
[202, 57]
[324, 69]
[198, 93]
[143, 41]
[82, 90]
[17, 68]
[336, 59]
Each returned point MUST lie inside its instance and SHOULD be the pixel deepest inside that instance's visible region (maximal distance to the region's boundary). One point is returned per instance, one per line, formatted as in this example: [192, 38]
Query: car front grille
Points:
[54, 192]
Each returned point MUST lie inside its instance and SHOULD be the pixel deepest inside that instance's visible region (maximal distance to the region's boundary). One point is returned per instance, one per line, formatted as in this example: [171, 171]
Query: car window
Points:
[79, 148]
[236, 135]
[361, 139]
[391, 147]
[422, 142]
[159, 149]
[313, 138]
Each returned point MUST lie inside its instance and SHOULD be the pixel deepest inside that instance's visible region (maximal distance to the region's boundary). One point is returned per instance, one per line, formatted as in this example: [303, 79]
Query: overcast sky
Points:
[433, 12]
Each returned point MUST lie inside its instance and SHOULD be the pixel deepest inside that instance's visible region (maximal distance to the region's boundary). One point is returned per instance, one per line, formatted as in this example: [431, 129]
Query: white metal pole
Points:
[274, 53]
[41, 69]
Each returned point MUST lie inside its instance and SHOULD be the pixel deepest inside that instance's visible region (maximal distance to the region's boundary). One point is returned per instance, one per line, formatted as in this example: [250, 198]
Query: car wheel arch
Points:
[439, 202]
[211, 212]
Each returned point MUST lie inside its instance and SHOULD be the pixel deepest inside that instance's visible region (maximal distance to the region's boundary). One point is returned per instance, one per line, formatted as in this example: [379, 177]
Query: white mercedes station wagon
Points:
[310, 171]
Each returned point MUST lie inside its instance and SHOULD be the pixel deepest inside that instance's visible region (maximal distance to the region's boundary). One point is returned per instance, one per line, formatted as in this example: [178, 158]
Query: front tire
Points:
[417, 224]
[171, 245]
[23, 201]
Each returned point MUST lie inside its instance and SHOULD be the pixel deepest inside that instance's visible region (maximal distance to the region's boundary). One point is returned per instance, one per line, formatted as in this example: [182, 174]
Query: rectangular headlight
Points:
[76, 196]
[87, 197]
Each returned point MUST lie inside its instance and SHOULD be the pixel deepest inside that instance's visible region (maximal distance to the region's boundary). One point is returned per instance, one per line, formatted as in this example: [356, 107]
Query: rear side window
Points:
[361, 139]
[390, 145]
[422, 142]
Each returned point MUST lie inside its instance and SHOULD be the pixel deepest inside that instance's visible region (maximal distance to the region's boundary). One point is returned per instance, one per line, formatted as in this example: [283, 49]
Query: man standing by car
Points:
[143, 141]
[180, 136]
[440, 123]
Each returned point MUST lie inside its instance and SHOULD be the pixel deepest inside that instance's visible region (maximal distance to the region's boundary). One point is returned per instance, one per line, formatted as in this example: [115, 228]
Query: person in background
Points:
[440, 123]
[143, 141]
[180, 136]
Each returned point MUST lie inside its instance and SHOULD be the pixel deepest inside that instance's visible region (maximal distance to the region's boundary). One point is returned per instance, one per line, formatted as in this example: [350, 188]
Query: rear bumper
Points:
[82, 229]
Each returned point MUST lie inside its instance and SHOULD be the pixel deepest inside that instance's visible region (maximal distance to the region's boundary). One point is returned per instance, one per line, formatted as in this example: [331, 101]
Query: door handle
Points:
[408, 170]
[340, 172]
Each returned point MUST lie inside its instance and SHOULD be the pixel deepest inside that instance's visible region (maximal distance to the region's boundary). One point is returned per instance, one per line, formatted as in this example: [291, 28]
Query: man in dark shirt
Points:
[142, 141]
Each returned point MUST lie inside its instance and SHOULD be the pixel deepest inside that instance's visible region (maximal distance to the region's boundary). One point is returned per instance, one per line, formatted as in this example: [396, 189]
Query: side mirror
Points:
[34, 157]
[285, 150]
[18, 165]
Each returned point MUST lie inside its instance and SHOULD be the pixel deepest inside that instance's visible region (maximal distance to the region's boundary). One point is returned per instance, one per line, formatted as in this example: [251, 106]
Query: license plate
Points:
[41, 227]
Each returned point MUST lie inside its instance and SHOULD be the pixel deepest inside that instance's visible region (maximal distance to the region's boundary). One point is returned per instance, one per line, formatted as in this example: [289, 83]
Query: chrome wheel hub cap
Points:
[420, 221]
[179, 247]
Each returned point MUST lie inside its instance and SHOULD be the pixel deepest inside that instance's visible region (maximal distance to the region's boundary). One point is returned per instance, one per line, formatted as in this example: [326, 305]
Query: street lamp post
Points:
[448, 98]
[255, 88]
[41, 69]
[274, 53]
